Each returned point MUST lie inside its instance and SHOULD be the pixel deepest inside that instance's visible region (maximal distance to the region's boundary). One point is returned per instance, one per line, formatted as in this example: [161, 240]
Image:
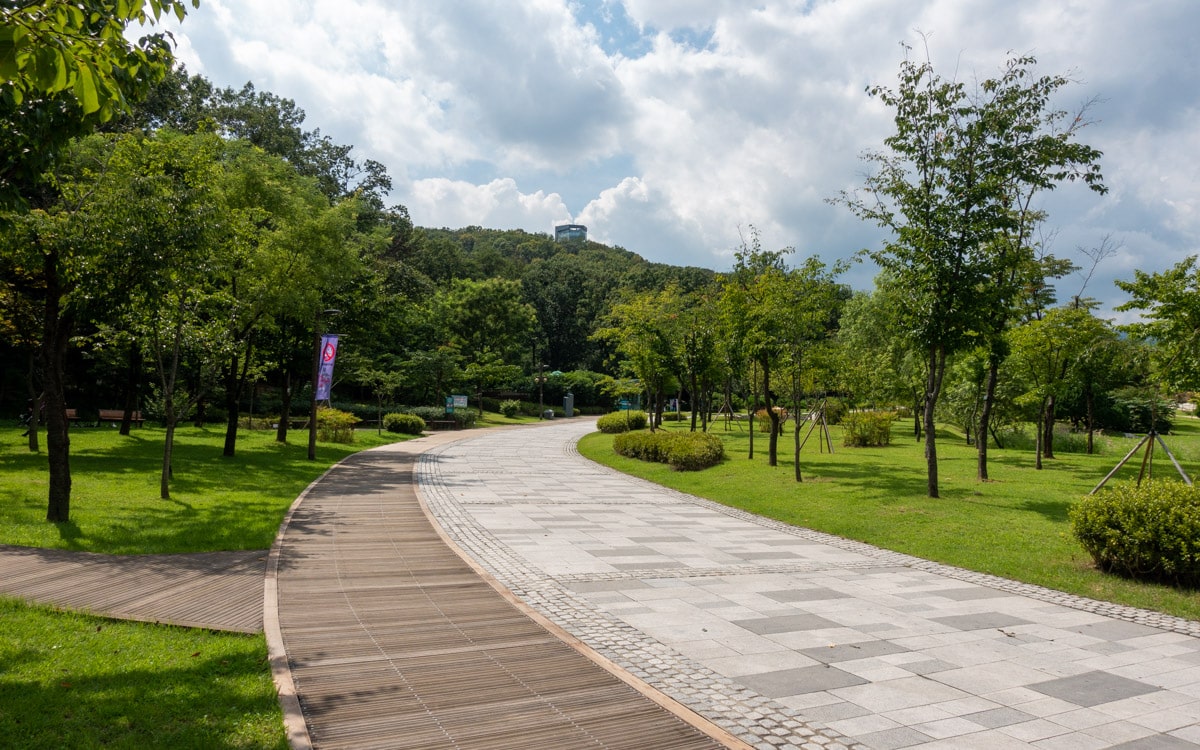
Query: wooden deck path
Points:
[216, 590]
[394, 641]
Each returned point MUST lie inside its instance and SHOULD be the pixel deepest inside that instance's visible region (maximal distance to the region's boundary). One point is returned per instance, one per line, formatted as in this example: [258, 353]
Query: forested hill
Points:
[571, 285]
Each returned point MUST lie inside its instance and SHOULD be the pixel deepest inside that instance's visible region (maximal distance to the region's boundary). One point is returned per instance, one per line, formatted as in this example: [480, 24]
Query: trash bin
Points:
[569, 404]
[548, 414]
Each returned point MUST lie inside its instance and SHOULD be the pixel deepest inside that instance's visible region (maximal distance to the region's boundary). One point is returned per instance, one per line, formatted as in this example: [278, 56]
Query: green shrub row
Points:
[861, 429]
[1148, 533]
[684, 451]
[622, 421]
[404, 424]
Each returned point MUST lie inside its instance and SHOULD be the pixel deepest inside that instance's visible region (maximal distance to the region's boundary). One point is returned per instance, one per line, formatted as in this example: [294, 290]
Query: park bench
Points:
[72, 415]
[117, 415]
[443, 424]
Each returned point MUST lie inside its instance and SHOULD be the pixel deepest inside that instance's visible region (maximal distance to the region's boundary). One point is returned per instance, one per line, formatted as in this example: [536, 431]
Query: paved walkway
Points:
[382, 636]
[789, 638]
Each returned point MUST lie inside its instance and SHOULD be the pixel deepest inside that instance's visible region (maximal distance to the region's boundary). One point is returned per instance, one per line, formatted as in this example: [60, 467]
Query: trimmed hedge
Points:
[405, 424]
[684, 451]
[1148, 533]
[622, 421]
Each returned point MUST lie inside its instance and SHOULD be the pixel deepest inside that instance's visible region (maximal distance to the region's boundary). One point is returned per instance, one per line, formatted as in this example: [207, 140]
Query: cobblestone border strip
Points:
[746, 714]
[889, 559]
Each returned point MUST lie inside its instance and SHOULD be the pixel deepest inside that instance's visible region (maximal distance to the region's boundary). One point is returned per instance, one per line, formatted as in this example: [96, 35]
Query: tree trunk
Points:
[164, 485]
[772, 417]
[985, 419]
[56, 333]
[933, 387]
[35, 404]
[285, 409]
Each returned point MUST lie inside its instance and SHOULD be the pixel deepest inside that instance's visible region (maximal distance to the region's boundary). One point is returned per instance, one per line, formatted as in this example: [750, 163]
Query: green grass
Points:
[1013, 526]
[70, 680]
[216, 503]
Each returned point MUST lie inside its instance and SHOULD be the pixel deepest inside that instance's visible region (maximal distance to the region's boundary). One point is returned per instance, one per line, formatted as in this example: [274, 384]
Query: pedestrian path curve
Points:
[791, 638]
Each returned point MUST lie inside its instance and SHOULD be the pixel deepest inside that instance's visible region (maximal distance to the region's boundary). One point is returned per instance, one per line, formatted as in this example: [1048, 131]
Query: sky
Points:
[673, 128]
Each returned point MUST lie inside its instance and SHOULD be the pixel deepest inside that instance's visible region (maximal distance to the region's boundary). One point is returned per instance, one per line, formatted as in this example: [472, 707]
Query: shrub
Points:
[335, 426]
[835, 410]
[405, 424]
[1148, 533]
[622, 421]
[683, 451]
[510, 408]
[861, 429]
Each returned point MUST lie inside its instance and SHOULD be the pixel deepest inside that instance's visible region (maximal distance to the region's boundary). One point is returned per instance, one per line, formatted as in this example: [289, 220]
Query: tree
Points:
[1170, 305]
[951, 186]
[1048, 351]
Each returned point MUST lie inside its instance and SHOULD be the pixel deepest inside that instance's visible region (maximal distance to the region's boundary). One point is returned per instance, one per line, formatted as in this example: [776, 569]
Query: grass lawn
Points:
[68, 680]
[73, 681]
[216, 503]
[1013, 526]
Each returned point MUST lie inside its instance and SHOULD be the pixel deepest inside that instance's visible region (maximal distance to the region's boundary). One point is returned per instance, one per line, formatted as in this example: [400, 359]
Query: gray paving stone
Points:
[785, 624]
[1093, 688]
[801, 680]
[981, 621]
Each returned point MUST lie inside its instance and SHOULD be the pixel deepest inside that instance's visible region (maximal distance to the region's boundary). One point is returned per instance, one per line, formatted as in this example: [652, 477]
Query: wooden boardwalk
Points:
[216, 590]
[394, 641]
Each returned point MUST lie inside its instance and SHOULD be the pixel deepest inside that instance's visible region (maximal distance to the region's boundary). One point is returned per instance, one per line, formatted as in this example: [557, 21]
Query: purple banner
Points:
[329, 345]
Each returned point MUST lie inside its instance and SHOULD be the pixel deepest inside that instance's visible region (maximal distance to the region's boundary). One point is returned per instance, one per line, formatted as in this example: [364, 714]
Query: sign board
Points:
[460, 402]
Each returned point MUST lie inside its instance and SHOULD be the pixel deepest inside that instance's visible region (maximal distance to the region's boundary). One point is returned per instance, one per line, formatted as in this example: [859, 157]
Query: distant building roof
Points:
[565, 232]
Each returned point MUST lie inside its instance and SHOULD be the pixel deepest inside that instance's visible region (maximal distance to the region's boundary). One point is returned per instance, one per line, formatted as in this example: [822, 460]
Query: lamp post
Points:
[316, 374]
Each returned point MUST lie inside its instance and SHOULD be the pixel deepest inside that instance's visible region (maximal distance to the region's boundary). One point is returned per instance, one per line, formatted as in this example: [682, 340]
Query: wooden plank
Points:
[394, 641]
[217, 590]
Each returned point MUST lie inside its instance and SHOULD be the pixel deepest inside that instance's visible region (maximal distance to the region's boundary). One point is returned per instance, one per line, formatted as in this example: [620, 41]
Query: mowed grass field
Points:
[1015, 525]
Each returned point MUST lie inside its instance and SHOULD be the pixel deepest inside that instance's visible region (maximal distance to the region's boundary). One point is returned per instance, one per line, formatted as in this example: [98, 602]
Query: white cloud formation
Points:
[668, 125]
[439, 202]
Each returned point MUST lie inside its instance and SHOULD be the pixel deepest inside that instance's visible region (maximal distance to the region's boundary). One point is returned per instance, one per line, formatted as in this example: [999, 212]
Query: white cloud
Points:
[439, 202]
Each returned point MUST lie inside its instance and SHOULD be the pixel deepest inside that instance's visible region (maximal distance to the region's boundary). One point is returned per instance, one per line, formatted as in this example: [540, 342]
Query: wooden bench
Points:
[72, 415]
[117, 415]
[443, 424]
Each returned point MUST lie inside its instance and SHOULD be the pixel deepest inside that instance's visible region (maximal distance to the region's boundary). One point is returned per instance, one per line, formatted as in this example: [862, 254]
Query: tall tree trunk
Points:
[772, 417]
[1040, 433]
[985, 418]
[56, 334]
[697, 405]
[285, 410]
[35, 403]
[933, 387]
[164, 484]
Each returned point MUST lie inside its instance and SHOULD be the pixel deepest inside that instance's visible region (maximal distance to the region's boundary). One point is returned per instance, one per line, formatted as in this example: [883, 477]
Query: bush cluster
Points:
[861, 429]
[622, 421]
[684, 451]
[510, 408]
[405, 424]
[335, 426]
[1148, 533]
